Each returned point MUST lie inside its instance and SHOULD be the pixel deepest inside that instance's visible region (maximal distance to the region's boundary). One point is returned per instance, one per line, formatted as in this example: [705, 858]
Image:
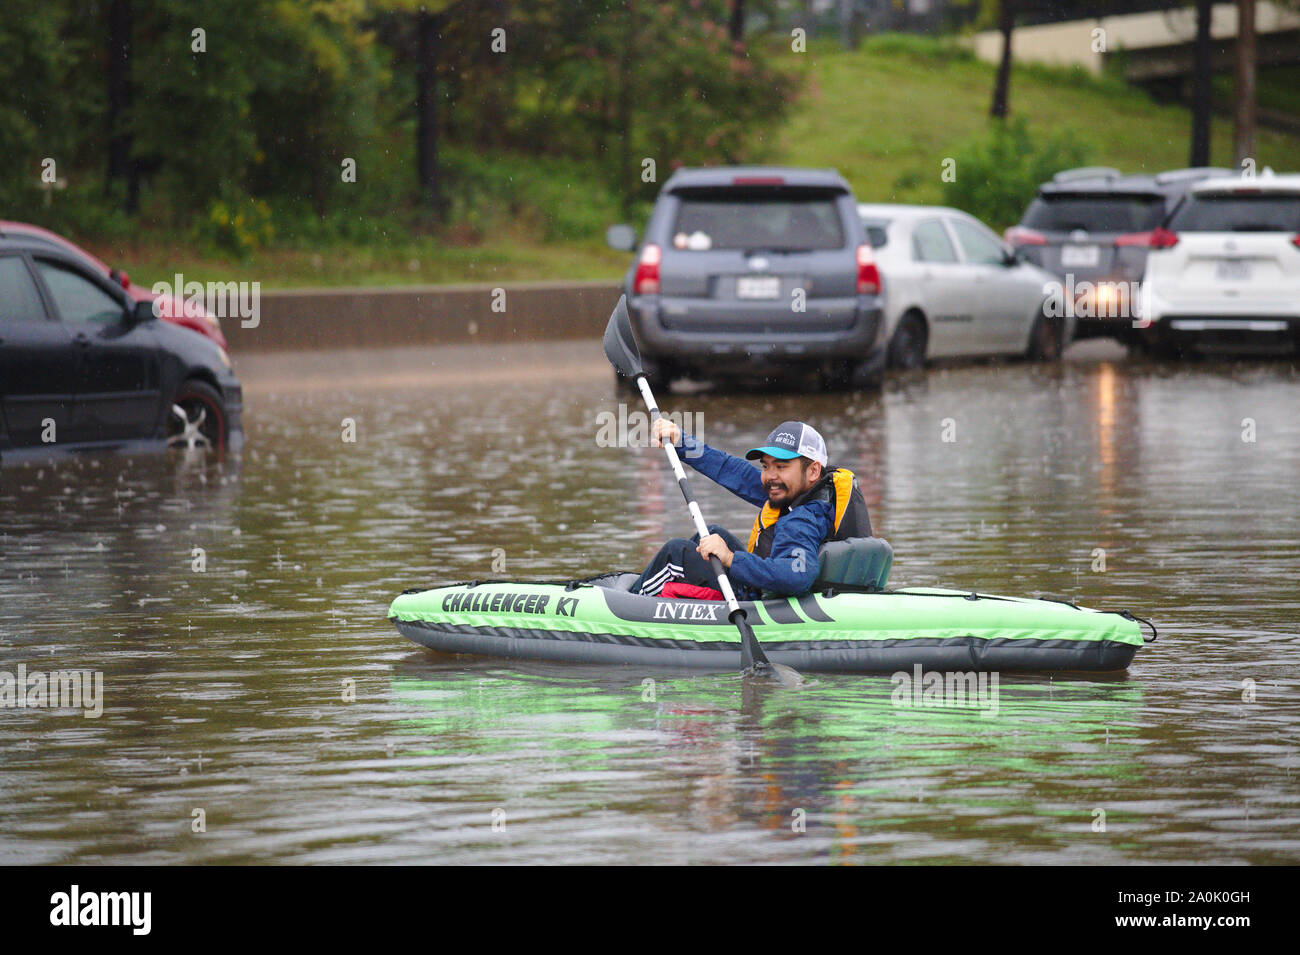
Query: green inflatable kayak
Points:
[848, 629]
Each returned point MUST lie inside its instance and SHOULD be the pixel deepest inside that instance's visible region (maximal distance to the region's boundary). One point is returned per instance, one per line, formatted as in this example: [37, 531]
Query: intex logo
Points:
[103, 908]
[683, 611]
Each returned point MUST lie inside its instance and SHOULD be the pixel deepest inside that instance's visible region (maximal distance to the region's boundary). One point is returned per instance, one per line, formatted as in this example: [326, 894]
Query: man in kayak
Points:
[804, 504]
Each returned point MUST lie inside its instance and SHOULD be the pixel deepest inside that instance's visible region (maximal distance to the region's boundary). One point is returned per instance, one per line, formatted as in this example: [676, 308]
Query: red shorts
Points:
[679, 590]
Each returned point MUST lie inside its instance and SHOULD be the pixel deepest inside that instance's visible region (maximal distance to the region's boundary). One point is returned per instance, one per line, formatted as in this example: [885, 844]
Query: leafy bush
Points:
[999, 171]
[555, 197]
[240, 227]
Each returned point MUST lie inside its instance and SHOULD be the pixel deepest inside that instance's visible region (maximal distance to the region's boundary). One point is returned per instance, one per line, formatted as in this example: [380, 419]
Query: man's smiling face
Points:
[786, 479]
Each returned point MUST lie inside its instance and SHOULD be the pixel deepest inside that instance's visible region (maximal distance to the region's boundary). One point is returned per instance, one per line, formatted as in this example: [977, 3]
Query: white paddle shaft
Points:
[701, 528]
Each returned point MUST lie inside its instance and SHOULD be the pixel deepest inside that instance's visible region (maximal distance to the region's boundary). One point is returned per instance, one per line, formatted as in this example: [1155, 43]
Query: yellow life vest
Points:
[840, 485]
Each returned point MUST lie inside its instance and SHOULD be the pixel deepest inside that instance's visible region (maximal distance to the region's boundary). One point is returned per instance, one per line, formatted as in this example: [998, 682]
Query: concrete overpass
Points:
[1156, 47]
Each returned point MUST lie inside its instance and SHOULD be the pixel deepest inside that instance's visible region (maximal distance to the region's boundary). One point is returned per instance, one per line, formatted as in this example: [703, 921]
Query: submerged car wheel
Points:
[907, 347]
[1045, 339]
[1155, 350]
[868, 375]
[197, 417]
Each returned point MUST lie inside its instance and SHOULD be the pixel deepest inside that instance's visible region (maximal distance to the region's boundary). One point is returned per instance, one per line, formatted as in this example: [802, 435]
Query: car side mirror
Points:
[143, 312]
[1010, 257]
[621, 237]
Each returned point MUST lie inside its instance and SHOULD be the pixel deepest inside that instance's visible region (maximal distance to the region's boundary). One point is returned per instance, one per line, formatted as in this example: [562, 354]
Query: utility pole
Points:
[1243, 140]
[1006, 23]
[1202, 70]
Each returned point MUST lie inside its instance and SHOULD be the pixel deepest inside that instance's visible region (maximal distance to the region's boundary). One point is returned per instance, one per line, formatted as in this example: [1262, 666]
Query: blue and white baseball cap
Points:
[792, 439]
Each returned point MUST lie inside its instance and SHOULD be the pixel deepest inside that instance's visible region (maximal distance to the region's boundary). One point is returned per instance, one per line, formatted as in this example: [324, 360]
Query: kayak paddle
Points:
[623, 354]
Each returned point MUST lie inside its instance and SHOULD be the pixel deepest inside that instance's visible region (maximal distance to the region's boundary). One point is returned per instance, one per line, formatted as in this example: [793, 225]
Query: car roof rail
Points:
[1191, 173]
[1087, 172]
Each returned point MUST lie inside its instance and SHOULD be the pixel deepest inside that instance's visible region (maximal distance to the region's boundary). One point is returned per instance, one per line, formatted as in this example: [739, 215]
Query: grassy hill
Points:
[886, 116]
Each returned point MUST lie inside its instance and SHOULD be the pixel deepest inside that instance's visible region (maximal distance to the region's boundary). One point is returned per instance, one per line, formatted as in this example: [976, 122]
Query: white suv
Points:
[1224, 270]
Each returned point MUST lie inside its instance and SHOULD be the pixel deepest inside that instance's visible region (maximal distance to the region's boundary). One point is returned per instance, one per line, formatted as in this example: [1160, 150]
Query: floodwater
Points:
[258, 707]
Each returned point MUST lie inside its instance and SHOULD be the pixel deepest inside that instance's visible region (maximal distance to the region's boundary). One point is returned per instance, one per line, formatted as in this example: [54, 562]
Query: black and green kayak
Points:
[855, 630]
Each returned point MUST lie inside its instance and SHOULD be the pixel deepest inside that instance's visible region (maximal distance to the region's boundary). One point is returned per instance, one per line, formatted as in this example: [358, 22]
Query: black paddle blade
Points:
[778, 672]
[753, 661]
[620, 346]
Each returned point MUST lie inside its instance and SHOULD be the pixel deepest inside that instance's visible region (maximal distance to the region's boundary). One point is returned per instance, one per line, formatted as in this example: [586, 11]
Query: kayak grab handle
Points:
[1140, 620]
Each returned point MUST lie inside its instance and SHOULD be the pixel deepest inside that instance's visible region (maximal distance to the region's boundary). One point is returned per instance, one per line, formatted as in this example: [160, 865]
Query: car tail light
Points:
[868, 274]
[646, 281]
[1019, 235]
[758, 181]
[1163, 239]
[1296, 241]
[1158, 238]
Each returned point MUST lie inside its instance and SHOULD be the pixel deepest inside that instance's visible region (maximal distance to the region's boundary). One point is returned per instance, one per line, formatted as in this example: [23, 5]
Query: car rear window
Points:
[777, 221]
[1238, 213]
[19, 300]
[1094, 213]
[877, 232]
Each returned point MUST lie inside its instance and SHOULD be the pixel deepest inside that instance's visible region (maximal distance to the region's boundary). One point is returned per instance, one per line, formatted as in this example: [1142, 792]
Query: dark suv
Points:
[1093, 227]
[85, 366]
[755, 272]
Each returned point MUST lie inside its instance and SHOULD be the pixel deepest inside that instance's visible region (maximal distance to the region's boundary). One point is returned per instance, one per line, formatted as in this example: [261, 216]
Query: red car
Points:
[176, 310]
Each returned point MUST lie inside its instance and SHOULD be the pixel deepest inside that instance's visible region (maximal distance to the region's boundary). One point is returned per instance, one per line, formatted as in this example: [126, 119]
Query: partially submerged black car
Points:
[85, 367]
[755, 272]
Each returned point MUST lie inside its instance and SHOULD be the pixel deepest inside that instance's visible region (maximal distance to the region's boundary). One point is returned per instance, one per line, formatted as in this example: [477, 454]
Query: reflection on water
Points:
[836, 772]
[236, 612]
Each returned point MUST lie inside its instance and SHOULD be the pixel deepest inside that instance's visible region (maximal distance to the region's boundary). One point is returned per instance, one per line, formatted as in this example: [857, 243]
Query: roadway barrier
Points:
[296, 319]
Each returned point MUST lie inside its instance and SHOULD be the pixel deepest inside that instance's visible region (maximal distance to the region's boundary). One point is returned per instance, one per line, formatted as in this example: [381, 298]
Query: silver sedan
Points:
[953, 289]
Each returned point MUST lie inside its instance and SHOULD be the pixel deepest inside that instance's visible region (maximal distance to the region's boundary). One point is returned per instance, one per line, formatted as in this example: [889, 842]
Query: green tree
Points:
[999, 171]
[415, 31]
[661, 82]
[39, 119]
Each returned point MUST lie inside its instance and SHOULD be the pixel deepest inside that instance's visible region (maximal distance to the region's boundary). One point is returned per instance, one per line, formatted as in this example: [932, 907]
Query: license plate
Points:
[1080, 256]
[1234, 270]
[758, 286]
